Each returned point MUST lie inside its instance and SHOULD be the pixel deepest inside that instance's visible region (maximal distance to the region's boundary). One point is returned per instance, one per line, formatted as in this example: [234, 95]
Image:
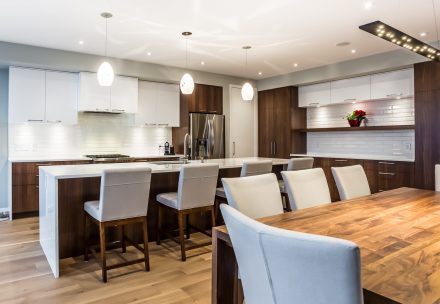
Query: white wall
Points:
[94, 134]
[3, 139]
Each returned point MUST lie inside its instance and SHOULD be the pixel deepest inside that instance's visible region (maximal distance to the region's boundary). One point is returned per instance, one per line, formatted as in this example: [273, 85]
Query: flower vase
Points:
[354, 122]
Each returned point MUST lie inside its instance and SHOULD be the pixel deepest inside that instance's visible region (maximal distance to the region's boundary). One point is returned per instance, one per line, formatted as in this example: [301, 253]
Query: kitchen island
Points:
[64, 189]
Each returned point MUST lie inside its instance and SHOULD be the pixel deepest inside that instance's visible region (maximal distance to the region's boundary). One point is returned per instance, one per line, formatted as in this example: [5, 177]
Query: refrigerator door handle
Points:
[233, 148]
[211, 137]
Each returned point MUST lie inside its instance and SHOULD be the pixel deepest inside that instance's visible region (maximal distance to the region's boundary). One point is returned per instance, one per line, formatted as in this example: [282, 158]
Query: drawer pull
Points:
[386, 163]
[386, 173]
[341, 160]
[48, 164]
[350, 99]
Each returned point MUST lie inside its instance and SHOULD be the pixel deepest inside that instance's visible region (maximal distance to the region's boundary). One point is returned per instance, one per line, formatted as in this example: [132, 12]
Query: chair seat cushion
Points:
[282, 187]
[220, 192]
[92, 208]
[168, 199]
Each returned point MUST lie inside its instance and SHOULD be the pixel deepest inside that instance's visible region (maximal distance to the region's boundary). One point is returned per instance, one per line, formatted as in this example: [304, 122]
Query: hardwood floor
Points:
[25, 276]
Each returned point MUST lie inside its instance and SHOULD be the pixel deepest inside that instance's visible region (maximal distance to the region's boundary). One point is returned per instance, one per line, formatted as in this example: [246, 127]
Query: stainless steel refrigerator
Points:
[207, 135]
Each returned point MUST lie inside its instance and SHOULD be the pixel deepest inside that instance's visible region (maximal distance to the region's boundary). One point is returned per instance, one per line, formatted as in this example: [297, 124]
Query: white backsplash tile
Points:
[398, 144]
[95, 133]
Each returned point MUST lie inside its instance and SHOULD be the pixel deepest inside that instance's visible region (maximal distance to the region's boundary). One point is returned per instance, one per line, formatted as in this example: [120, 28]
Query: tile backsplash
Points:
[397, 144]
[95, 133]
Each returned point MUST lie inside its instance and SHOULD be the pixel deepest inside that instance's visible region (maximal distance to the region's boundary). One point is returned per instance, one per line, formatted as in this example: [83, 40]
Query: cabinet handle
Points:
[313, 103]
[274, 148]
[341, 160]
[386, 163]
[46, 164]
[163, 124]
[150, 124]
[386, 173]
[118, 110]
[394, 95]
[35, 120]
[54, 121]
[102, 110]
[233, 148]
[350, 99]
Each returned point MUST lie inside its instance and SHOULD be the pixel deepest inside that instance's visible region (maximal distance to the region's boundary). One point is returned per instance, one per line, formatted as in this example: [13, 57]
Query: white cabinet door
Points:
[167, 105]
[314, 95]
[146, 114]
[393, 84]
[351, 90]
[92, 96]
[124, 95]
[61, 97]
[27, 95]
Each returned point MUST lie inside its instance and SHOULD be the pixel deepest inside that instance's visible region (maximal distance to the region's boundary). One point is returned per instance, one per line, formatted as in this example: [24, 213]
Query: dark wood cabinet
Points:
[205, 99]
[277, 111]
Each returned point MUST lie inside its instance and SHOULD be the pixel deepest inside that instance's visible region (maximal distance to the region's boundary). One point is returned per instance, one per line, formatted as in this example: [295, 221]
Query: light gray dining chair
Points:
[256, 196]
[437, 177]
[295, 164]
[351, 182]
[282, 267]
[123, 200]
[306, 188]
[195, 194]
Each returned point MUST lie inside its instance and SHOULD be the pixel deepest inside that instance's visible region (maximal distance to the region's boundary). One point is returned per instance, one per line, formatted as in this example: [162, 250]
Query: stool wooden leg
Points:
[146, 254]
[212, 216]
[86, 238]
[188, 232]
[159, 223]
[181, 221]
[286, 199]
[124, 246]
[103, 249]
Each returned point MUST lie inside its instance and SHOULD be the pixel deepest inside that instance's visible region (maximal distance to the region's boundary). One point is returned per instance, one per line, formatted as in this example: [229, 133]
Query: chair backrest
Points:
[124, 193]
[197, 185]
[279, 266]
[256, 196]
[302, 163]
[351, 181]
[306, 188]
[437, 177]
[256, 167]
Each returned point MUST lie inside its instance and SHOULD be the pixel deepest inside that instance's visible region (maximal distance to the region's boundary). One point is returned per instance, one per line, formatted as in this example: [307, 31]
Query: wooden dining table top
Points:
[398, 233]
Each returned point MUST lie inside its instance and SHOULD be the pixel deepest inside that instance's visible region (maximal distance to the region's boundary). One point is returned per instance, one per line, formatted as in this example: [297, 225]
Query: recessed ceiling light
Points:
[353, 51]
[80, 42]
[260, 73]
[149, 53]
[202, 63]
[423, 34]
[295, 65]
[368, 5]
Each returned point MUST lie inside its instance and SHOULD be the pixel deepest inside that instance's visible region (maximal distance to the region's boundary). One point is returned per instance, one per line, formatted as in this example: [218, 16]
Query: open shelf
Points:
[367, 128]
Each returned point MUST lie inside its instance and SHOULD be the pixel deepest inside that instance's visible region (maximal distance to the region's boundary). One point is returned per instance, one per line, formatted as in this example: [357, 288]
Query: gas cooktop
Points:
[107, 157]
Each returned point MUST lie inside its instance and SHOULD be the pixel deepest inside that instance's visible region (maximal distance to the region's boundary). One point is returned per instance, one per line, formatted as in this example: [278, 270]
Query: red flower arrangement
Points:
[355, 118]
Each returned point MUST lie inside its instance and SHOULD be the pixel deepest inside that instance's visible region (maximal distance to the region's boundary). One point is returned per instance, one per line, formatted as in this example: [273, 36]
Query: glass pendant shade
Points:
[187, 84]
[247, 92]
[106, 75]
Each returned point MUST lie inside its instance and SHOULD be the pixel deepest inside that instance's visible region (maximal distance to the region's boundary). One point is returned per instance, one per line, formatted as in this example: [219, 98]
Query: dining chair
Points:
[295, 164]
[256, 196]
[280, 267]
[123, 201]
[437, 177]
[195, 194]
[351, 181]
[306, 188]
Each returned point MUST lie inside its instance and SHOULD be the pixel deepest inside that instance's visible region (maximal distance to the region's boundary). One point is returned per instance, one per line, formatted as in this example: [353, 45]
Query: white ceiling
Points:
[281, 32]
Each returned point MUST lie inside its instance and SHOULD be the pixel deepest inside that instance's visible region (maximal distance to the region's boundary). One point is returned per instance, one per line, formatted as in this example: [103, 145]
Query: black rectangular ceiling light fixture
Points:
[390, 34]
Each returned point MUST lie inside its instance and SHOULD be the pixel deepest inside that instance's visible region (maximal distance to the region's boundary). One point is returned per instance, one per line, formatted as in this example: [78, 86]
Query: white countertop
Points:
[41, 158]
[354, 156]
[92, 170]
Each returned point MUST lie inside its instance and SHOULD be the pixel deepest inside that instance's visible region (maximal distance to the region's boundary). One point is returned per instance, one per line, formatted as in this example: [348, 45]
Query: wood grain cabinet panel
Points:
[205, 99]
[24, 199]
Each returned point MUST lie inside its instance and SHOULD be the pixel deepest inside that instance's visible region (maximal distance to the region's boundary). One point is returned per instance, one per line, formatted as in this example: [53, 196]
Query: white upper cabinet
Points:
[121, 97]
[393, 84]
[351, 90]
[42, 96]
[27, 95]
[124, 95]
[314, 95]
[61, 97]
[159, 104]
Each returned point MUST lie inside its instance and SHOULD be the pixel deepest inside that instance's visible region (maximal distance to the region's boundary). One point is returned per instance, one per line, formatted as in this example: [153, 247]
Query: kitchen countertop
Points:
[19, 159]
[93, 170]
[355, 156]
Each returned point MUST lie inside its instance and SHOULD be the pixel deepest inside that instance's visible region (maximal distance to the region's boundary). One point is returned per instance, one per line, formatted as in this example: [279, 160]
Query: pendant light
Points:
[247, 91]
[187, 82]
[106, 75]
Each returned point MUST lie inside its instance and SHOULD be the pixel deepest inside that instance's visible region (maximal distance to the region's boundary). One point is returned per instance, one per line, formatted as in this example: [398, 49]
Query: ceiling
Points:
[282, 33]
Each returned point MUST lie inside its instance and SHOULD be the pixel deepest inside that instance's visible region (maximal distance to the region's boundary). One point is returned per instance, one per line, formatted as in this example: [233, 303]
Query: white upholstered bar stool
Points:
[195, 194]
[306, 188]
[437, 177]
[123, 200]
[255, 196]
[282, 267]
[351, 181]
[295, 164]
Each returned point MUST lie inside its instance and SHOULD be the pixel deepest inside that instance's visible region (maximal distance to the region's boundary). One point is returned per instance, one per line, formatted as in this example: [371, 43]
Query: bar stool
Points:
[351, 181]
[195, 194]
[123, 200]
[295, 164]
[437, 177]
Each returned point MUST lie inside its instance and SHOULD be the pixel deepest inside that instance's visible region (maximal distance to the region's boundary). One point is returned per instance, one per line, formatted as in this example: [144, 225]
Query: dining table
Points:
[397, 231]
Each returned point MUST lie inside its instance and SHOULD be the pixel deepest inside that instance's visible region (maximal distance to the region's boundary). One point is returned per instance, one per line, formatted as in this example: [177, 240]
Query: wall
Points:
[3, 140]
[94, 134]
[395, 144]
